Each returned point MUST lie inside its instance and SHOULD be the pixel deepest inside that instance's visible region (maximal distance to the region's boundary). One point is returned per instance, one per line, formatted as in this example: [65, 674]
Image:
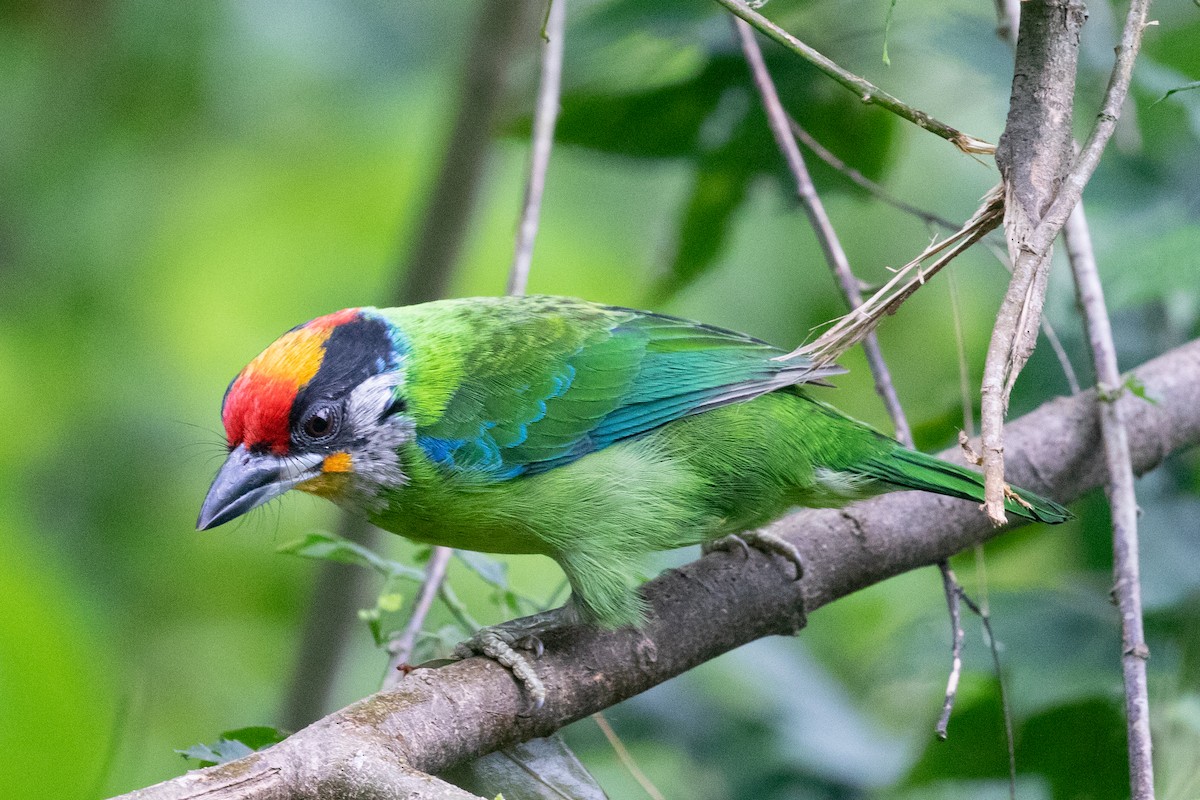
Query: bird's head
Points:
[322, 410]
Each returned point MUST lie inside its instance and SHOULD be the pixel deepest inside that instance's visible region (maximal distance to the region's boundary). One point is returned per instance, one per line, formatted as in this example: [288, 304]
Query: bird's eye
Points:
[321, 423]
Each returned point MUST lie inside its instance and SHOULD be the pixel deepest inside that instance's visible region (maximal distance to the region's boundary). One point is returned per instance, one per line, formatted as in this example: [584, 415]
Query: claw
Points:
[501, 643]
[533, 644]
[726, 543]
[765, 541]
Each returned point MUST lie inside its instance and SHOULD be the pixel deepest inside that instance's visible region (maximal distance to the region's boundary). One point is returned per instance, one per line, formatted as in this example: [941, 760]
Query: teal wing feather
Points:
[549, 380]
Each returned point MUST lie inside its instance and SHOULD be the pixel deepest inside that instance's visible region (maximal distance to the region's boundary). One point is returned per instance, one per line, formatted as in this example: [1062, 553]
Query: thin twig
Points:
[544, 118]
[831, 246]
[1121, 498]
[823, 153]
[953, 594]
[1010, 346]
[866, 91]
[624, 756]
[400, 649]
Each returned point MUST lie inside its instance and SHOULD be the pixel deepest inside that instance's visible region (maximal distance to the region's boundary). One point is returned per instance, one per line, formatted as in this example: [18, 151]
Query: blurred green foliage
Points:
[181, 182]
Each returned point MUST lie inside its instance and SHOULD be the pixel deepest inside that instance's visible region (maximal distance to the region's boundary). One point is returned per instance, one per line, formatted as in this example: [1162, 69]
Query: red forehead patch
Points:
[259, 404]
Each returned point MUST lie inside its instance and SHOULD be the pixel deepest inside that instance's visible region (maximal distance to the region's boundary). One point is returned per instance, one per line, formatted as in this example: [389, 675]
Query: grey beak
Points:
[247, 480]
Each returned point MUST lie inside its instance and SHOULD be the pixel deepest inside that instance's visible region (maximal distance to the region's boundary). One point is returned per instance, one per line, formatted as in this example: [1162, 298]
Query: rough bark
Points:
[1034, 155]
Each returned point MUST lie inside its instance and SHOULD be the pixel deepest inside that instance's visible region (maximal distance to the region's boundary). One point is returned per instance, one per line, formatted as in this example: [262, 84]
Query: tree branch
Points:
[1041, 191]
[437, 718]
[1034, 153]
[544, 118]
[1121, 499]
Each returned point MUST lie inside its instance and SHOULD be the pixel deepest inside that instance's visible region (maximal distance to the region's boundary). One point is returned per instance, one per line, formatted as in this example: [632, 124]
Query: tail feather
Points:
[911, 469]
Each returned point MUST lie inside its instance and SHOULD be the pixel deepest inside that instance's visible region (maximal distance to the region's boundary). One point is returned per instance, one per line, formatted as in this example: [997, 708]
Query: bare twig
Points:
[831, 246]
[544, 119]
[1121, 498]
[866, 91]
[440, 717]
[1041, 192]
[400, 649]
[823, 153]
[954, 593]
[624, 757]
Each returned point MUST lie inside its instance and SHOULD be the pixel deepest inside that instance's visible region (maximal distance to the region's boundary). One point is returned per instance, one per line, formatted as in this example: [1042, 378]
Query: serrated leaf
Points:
[256, 737]
[232, 745]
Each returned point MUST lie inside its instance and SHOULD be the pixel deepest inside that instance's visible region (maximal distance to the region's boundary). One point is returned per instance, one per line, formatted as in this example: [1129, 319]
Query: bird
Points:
[589, 433]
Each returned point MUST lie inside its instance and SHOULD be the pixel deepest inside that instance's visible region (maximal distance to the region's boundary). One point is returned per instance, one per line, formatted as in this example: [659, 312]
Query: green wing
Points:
[541, 381]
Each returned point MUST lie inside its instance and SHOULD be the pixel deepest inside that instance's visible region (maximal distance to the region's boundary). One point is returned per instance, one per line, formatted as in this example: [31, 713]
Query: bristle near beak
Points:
[247, 480]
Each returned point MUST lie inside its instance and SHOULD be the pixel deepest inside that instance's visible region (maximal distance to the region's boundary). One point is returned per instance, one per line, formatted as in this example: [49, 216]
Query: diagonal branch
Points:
[831, 246]
[439, 717]
[1121, 498]
[853, 327]
[544, 119]
[866, 91]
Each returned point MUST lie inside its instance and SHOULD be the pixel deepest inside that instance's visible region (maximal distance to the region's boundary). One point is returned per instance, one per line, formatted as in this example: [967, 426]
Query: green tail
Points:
[915, 470]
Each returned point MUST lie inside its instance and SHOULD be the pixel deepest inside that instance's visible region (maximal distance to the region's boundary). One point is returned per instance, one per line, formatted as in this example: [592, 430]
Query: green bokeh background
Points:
[181, 182]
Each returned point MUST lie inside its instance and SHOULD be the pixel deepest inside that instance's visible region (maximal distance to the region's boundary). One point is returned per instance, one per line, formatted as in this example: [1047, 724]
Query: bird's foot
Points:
[764, 540]
[502, 642]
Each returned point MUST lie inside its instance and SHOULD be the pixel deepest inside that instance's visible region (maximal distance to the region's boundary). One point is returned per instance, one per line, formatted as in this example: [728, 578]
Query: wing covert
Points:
[544, 381]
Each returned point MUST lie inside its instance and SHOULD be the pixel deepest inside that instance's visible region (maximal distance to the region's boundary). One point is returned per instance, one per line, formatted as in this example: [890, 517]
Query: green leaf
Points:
[1187, 87]
[256, 737]
[705, 225]
[489, 569]
[1138, 389]
[331, 547]
[235, 744]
